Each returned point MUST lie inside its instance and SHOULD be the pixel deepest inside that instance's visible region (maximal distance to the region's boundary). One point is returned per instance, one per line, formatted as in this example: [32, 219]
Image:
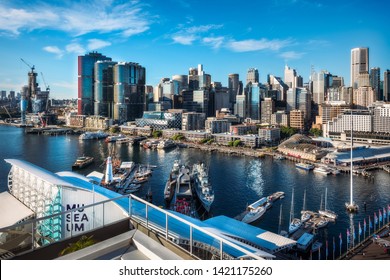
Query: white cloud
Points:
[75, 48]
[184, 39]
[186, 36]
[77, 19]
[257, 45]
[54, 49]
[291, 55]
[94, 44]
[214, 42]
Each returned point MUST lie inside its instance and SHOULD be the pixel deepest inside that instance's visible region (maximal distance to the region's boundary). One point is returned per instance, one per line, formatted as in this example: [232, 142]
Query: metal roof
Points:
[264, 239]
[39, 172]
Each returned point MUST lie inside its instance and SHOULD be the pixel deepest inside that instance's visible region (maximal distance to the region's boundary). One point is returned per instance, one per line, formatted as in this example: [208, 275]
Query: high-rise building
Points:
[280, 118]
[297, 119]
[267, 109]
[321, 82]
[299, 99]
[252, 76]
[193, 121]
[129, 91]
[254, 92]
[234, 87]
[375, 82]
[276, 83]
[86, 64]
[240, 107]
[386, 85]
[290, 77]
[359, 64]
[104, 88]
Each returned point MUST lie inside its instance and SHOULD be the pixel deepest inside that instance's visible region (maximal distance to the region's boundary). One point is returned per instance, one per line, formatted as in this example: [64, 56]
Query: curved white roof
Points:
[39, 172]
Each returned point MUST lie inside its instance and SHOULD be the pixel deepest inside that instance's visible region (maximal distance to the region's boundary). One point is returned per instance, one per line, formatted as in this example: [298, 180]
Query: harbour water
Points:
[237, 181]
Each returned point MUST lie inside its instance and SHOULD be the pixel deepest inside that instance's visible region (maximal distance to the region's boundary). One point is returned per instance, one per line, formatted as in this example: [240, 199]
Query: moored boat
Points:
[321, 170]
[170, 185]
[255, 210]
[82, 162]
[305, 166]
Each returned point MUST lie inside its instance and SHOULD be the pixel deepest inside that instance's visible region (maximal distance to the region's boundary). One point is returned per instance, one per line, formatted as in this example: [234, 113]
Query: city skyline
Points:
[168, 38]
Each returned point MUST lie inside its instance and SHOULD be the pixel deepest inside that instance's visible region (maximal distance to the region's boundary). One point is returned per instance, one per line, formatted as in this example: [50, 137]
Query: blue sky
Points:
[168, 37]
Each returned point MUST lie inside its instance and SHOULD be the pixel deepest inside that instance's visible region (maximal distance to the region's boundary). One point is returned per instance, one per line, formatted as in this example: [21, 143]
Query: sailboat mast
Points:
[280, 218]
[351, 187]
[292, 207]
[304, 201]
[326, 197]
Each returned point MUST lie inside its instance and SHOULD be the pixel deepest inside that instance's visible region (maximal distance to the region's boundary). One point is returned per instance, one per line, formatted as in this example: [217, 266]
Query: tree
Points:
[230, 143]
[82, 243]
[237, 143]
[114, 129]
[286, 132]
[316, 132]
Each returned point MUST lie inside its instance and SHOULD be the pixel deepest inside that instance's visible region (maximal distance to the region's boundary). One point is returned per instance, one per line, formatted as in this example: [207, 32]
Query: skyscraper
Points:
[234, 87]
[386, 85]
[375, 82]
[289, 77]
[86, 79]
[104, 88]
[359, 64]
[252, 75]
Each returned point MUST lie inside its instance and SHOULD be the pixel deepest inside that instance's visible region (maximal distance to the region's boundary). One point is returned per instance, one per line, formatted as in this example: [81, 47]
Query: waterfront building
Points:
[214, 125]
[301, 147]
[297, 119]
[280, 118]
[375, 82]
[160, 120]
[243, 129]
[129, 91]
[193, 121]
[103, 88]
[359, 64]
[267, 109]
[86, 78]
[74, 120]
[386, 85]
[132, 129]
[250, 141]
[381, 117]
[252, 76]
[269, 136]
[97, 123]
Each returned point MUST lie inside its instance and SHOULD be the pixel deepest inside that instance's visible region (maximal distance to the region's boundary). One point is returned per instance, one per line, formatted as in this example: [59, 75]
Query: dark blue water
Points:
[237, 181]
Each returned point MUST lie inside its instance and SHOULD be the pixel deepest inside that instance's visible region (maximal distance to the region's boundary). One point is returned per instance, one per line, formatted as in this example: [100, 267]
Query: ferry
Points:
[305, 166]
[202, 186]
[92, 135]
[82, 162]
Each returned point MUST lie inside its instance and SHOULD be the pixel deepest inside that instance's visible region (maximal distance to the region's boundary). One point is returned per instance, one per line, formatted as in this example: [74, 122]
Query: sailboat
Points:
[351, 206]
[326, 212]
[295, 223]
[305, 215]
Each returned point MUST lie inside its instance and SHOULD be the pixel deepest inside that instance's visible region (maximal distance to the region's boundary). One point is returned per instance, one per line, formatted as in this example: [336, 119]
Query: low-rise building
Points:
[269, 136]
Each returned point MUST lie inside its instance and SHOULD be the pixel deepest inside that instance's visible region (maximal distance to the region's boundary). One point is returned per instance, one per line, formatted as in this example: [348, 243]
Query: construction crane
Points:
[31, 67]
[44, 82]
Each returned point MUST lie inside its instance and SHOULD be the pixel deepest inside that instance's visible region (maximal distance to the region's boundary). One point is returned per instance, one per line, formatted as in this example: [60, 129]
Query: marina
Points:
[233, 190]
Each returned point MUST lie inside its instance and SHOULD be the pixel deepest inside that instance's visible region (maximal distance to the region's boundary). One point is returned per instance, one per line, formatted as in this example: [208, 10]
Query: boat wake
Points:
[255, 179]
